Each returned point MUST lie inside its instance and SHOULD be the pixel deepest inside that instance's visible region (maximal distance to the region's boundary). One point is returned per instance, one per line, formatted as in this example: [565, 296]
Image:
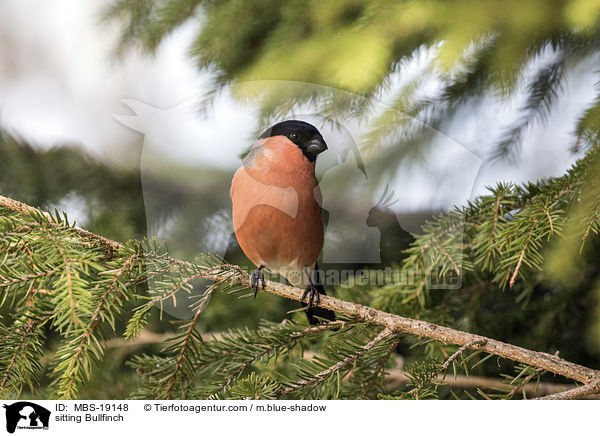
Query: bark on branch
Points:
[574, 394]
[395, 323]
[425, 329]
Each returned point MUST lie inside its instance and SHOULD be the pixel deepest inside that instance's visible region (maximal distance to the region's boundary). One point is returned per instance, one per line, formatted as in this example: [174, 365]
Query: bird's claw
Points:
[313, 296]
[255, 278]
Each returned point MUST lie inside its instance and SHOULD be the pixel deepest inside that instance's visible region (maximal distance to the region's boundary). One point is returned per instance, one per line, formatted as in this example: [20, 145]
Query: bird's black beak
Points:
[315, 147]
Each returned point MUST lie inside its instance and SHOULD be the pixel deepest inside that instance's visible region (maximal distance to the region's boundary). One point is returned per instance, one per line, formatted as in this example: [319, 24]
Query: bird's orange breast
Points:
[276, 206]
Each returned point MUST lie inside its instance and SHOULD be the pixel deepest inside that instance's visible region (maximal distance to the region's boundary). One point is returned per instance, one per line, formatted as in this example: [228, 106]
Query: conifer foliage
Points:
[63, 281]
[75, 304]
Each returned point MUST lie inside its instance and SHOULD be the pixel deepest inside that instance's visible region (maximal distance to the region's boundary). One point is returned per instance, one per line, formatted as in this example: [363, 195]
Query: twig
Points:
[522, 256]
[68, 274]
[338, 366]
[17, 206]
[28, 329]
[460, 350]
[589, 228]
[397, 378]
[520, 383]
[309, 331]
[170, 382]
[95, 320]
[550, 221]
[574, 394]
[445, 253]
[494, 225]
[146, 337]
[380, 369]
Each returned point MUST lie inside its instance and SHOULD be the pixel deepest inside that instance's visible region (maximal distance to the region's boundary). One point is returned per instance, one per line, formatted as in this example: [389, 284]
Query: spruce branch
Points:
[447, 335]
[68, 280]
[312, 382]
[75, 365]
[270, 349]
[522, 255]
[591, 225]
[23, 364]
[379, 370]
[187, 344]
[17, 206]
[525, 376]
[233, 276]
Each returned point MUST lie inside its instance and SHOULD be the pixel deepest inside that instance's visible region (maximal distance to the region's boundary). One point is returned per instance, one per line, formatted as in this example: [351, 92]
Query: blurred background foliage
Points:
[474, 50]
[479, 48]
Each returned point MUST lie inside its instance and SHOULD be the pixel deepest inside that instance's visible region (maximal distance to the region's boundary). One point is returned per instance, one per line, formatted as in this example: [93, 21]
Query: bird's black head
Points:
[304, 135]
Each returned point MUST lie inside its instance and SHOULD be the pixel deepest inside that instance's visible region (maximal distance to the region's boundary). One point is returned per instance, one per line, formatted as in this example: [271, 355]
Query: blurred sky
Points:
[59, 82]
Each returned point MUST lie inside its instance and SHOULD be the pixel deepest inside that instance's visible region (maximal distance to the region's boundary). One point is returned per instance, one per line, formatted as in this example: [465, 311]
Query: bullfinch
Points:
[277, 209]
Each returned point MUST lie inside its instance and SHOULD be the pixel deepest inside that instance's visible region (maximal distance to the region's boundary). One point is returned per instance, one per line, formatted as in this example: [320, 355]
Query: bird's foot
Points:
[255, 278]
[313, 296]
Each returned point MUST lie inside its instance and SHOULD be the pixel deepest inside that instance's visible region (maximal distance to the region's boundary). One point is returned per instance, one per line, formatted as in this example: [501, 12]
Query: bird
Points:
[276, 210]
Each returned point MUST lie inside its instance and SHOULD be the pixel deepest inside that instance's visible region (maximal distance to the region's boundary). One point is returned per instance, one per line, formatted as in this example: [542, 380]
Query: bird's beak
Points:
[316, 146]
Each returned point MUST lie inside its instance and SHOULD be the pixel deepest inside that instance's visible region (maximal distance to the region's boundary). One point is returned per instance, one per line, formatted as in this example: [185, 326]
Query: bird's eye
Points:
[293, 136]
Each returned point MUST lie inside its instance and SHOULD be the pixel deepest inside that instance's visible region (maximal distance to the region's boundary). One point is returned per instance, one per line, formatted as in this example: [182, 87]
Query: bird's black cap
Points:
[304, 135]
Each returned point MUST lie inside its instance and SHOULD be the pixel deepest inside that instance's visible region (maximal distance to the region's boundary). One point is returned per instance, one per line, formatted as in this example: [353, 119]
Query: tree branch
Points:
[339, 365]
[574, 394]
[17, 206]
[448, 335]
[391, 322]
[397, 378]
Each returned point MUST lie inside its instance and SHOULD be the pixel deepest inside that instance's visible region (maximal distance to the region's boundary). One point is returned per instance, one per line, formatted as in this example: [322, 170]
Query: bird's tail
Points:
[316, 315]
